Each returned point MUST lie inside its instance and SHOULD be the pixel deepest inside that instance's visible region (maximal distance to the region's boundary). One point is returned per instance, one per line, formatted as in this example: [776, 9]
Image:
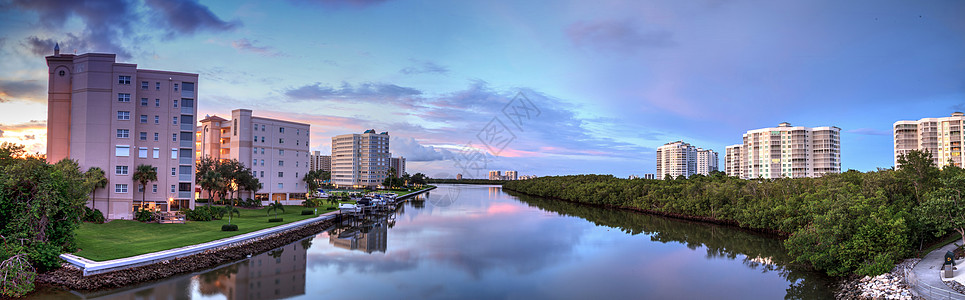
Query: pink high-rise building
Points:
[115, 116]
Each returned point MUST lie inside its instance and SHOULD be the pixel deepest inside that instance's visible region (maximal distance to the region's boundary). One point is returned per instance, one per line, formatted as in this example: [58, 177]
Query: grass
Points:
[124, 238]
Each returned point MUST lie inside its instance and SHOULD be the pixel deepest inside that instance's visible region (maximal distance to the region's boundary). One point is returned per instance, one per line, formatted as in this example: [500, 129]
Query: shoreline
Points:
[70, 277]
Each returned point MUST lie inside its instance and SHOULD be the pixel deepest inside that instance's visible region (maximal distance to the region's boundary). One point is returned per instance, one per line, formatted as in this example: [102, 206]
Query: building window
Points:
[143, 136]
[120, 170]
[157, 86]
[281, 141]
[296, 165]
[175, 103]
[262, 150]
[174, 153]
[174, 171]
[281, 174]
[296, 176]
[174, 121]
[256, 138]
[281, 152]
[174, 137]
[157, 102]
[262, 173]
[175, 87]
[143, 118]
[298, 143]
[143, 101]
[262, 139]
[157, 153]
[255, 150]
[281, 186]
[142, 152]
[154, 189]
[281, 163]
[254, 162]
[262, 127]
[262, 162]
[188, 86]
[156, 136]
[281, 129]
[173, 188]
[123, 133]
[122, 150]
[298, 131]
[123, 79]
[144, 85]
[140, 188]
[123, 97]
[157, 120]
[120, 188]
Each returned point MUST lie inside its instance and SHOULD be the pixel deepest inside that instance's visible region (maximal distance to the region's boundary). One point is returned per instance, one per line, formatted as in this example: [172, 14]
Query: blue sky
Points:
[607, 81]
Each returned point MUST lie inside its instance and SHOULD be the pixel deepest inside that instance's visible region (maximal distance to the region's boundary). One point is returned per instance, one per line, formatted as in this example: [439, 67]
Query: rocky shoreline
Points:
[885, 286]
[70, 277]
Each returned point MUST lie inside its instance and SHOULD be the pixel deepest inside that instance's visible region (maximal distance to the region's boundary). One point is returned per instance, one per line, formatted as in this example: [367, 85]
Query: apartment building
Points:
[320, 162]
[787, 151]
[732, 159]
[115, 116]
[941, 136]
[680, 158]
[495, 175]
[399, 164]
[275, 150]
[511, 175]
[360, 160]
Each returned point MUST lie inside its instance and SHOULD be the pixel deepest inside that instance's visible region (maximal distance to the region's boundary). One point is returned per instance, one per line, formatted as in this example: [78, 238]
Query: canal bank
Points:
[80, 273]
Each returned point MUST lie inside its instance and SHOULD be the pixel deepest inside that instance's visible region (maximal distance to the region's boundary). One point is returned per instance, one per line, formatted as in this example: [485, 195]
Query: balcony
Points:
[187, 127]
[187, 110]
[187, 144]
[185, 194]
[185, 177]
[185, 161]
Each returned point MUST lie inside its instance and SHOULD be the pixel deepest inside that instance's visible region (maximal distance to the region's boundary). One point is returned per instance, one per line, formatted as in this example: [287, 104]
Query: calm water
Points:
[470, 241]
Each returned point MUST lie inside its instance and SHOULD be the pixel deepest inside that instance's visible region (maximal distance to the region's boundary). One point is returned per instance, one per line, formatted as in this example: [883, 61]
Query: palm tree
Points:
[210, 181]
[275, 206]
[96, 179]
[144, 174]
[231, 211]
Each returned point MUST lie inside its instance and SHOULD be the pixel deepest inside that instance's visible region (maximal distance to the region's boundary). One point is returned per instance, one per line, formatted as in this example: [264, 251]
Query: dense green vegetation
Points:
[124, 238]
[853, 222]
[40, 206]
[467, 181]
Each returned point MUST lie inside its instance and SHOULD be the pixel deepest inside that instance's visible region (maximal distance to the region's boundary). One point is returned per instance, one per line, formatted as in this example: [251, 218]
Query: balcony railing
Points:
[184, 194]
[184, 177]
[185, 161]
[187, 144]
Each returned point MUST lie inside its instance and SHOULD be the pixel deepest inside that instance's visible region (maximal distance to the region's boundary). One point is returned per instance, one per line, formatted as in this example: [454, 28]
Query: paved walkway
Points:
[929, 283]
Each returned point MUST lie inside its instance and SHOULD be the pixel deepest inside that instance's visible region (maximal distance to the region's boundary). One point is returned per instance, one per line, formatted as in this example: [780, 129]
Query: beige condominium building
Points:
[115, 116]
[399, 164]
[786, 151]
[680, 158]
[940, 136]
[275, 150]
[732, 159]
[320, 162]
[360, 160]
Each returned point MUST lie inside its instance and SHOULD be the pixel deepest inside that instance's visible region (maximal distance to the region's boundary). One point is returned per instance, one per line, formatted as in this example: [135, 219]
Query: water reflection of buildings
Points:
[370, 236]
[276, 274]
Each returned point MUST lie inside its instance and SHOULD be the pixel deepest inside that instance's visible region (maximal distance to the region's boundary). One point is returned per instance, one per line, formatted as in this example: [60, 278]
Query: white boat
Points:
[348, 207]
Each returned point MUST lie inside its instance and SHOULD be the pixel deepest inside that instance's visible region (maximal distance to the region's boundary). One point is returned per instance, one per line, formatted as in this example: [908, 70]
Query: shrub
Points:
[229, 227]
[273, 220]
[306, 212]
[252, 203]
[218, 212]
[18, 276]
[93, 215]
[201, 200]
[200, 213]
[143, 215]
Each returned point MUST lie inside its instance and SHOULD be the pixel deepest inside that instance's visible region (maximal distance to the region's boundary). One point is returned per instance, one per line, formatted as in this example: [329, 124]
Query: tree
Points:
[144, 174]
[210, 181]
[231, 210]
[202, 167]
[943, 209]
[312, 179]
[95, 178]
[275, 206]
[918, 168]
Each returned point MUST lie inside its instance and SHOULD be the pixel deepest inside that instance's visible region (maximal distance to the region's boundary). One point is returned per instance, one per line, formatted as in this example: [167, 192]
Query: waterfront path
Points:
[927, 281]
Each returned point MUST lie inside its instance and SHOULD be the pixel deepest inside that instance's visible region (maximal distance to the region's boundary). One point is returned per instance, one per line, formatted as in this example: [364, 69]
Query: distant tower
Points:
[56, 49]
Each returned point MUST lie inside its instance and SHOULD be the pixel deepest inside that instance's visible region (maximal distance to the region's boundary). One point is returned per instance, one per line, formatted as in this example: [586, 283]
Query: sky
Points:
[541, 87]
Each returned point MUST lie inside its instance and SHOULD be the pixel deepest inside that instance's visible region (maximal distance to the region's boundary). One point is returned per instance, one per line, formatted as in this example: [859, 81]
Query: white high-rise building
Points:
[941, 136]
[360, 160]
[114, 116]
[276, 150]
[680, 158]
[320, 162]
[786, 151]
[732, 159]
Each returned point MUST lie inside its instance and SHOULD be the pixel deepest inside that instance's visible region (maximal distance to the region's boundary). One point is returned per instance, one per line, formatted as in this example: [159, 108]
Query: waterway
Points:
[480, 242]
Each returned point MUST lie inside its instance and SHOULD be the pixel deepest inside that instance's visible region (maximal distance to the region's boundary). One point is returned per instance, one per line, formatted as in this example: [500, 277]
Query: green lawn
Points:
[124, 238]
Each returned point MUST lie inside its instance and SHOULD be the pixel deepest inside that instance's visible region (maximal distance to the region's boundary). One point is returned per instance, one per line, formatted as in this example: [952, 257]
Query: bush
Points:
[143, 215]
[201, 200]
[313, 202]
[273, 220]
[252, 203]
[218, 212]
[18, 276]
[306, 212]
[93, 215]
[229, 227]
[200, 213]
